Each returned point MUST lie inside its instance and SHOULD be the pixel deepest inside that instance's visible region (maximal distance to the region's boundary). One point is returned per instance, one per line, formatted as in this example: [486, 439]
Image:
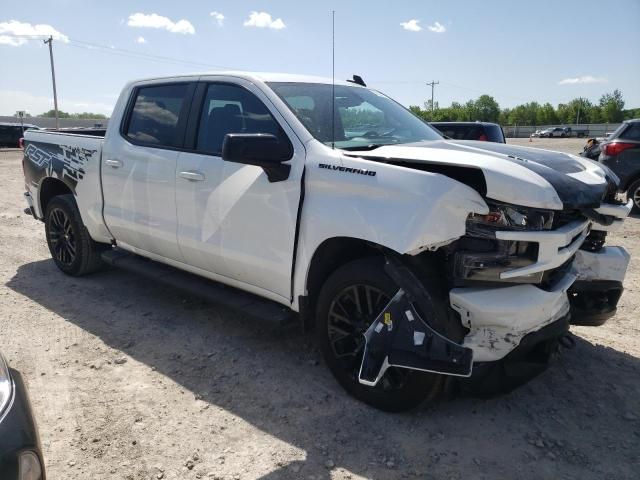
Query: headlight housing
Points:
[6, 385]
[480, 256]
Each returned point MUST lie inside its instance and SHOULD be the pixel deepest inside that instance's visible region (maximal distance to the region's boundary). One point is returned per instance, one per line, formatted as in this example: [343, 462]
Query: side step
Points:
[209, 290]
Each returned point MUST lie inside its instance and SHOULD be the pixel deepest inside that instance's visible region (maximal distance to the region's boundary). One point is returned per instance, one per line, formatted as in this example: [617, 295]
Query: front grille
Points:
[553, 276]
[562, 218]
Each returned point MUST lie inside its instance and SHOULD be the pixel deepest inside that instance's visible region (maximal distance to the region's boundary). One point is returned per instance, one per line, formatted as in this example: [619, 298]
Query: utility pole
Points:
[53, 78]
[432, 84]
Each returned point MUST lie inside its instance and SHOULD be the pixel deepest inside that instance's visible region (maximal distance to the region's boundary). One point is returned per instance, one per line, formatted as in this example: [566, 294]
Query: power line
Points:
[127, 53]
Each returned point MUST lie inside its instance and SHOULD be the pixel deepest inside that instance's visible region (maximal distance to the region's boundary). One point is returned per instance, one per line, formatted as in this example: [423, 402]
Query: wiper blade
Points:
[370, 146]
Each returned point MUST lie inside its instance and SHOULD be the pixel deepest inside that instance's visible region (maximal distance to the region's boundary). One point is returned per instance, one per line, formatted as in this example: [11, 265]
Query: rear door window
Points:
[158, 114]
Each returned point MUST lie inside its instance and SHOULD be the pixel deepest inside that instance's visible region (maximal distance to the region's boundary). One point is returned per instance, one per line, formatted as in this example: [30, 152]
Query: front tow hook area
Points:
[593, 302]
[399, 337]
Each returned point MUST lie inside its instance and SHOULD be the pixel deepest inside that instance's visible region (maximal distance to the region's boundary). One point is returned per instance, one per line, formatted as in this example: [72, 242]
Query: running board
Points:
[204, 288]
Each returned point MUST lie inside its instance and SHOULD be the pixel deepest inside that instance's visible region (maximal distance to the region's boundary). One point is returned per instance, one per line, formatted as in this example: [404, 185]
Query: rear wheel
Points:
[634, 193]
[71, 247]
[350, 300]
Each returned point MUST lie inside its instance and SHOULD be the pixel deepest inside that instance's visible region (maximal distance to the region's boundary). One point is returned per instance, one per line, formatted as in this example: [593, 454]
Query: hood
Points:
[518, 175]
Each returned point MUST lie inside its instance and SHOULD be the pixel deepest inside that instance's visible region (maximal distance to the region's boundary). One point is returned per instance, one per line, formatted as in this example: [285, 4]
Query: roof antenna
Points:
[333, 79]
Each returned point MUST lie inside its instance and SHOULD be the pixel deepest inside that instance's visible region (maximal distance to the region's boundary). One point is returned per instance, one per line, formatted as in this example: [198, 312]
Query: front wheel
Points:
[71, 247]
[634, 193]
[350, 300]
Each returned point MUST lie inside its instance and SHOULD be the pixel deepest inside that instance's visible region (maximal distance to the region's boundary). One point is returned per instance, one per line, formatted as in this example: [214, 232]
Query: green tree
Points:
[611, 105]
[486, 109]
[546, 115]
[83, 115]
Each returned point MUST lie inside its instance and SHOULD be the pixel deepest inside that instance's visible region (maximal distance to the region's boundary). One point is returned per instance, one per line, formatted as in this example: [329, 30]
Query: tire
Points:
[633, 192]
[563, 135]
[71, 247]
[399, 389]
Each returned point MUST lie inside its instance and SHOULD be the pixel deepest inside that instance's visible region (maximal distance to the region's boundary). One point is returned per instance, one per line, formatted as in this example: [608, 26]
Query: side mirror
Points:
[261, 149]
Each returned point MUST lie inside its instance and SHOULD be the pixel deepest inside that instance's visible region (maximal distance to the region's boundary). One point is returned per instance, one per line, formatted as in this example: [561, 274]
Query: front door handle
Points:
[113, 163]
[192, 175]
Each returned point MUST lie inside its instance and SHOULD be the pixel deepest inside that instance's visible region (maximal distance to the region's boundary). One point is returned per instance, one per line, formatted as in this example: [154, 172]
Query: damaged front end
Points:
[519, 269]
[516, 279]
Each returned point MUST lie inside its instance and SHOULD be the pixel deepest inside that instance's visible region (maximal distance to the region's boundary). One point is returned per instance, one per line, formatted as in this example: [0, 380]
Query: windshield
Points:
[363, 119]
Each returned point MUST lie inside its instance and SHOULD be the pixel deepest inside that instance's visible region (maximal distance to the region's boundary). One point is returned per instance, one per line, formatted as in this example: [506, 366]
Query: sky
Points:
[547, 51]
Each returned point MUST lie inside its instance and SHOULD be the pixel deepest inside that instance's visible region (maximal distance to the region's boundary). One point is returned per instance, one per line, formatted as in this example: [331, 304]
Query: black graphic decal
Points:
[63, 162]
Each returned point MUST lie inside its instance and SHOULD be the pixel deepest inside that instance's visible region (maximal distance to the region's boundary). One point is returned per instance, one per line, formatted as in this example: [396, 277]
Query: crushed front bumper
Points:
[499, 318]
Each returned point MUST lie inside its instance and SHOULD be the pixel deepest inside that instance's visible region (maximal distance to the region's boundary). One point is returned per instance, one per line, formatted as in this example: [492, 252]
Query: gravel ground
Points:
[132, 380]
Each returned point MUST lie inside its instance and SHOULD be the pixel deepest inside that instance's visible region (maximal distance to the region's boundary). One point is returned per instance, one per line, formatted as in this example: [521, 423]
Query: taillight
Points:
[617, 148]
[21, 143]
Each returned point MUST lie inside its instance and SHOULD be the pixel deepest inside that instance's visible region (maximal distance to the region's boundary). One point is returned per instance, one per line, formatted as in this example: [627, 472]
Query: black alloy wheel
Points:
[61, 237]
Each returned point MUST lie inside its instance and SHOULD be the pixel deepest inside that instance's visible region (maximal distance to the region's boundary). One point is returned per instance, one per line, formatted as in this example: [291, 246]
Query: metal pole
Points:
[432, 84]
[53, 78]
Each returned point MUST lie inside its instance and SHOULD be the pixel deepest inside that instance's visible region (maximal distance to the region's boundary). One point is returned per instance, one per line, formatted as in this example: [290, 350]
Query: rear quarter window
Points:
[494, 133]
[632, 132]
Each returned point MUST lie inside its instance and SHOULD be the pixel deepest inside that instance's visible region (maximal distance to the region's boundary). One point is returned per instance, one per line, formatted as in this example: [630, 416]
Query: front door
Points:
[232, 221]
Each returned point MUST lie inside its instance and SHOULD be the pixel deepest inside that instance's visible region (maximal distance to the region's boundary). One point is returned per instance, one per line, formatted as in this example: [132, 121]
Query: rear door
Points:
[232, 221]
[139, 168]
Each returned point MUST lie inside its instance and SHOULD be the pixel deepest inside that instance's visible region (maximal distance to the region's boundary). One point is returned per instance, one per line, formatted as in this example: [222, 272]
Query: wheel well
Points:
[51, 187]
[631, 181]
[328, 257]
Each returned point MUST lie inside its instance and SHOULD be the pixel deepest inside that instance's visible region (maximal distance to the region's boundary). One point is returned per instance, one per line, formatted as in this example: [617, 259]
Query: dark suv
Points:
[484, 131]
[621, 153]
[11, 133]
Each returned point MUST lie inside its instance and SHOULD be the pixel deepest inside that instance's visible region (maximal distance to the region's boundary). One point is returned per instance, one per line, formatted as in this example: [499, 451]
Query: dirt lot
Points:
[131, 380]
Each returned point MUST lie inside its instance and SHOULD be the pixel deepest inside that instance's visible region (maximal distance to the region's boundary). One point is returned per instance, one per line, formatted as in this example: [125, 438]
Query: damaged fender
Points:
[400, 337]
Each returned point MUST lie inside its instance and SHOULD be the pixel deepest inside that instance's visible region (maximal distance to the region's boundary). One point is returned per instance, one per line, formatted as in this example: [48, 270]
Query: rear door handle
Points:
[113, 163]
[192, 175]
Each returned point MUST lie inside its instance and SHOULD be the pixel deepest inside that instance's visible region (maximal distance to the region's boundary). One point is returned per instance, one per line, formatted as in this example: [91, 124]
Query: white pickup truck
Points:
[417, 261]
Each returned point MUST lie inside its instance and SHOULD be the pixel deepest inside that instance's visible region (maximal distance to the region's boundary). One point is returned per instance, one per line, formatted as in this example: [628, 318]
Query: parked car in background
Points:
[621, 153]
[553, 132]
[11, 133]
[484, 131]
[576, 132]
[20, 451]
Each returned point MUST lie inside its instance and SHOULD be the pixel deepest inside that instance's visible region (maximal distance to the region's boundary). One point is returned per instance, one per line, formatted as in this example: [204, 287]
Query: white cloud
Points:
[218, 17]
[141, 40]
[437, 27]
[583, 79]
[264, 20]
[154, 20]
[27, 31]
[411, 25]
[13, 100]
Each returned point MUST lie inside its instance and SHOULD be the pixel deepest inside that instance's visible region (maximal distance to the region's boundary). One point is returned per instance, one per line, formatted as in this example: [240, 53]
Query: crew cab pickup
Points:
[414, 259]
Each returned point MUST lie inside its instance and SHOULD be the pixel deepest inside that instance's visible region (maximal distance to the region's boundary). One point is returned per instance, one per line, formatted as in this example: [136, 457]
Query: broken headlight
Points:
[480, 256]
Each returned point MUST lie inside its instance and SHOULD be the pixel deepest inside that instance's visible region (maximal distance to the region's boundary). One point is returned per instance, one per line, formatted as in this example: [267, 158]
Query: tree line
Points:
[609, 109]
[61, 114]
